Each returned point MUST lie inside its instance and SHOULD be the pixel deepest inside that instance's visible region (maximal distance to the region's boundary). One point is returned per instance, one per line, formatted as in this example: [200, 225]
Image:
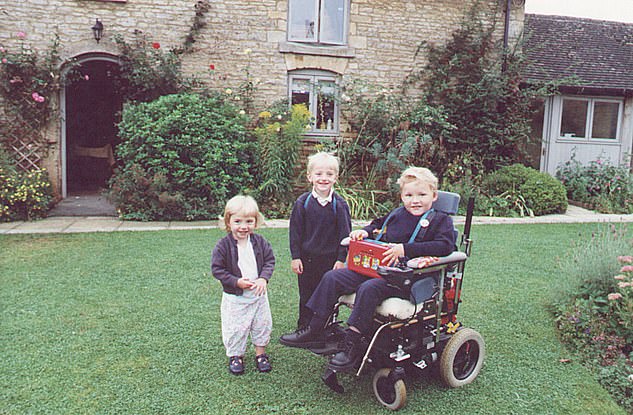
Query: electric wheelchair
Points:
[416, 334]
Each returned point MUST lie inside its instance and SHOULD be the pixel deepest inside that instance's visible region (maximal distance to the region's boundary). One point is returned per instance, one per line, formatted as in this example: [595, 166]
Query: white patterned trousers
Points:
[242, 316]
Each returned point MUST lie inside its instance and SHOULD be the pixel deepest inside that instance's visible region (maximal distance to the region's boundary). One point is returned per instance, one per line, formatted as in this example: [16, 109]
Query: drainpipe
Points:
[506, 34]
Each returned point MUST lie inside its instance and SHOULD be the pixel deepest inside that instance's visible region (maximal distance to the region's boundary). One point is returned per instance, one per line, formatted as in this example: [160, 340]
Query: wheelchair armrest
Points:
[453, 258]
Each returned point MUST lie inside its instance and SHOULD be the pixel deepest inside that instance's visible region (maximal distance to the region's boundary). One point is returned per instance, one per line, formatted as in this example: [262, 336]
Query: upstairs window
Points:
[590, 118]
[318, 21]
[318, 91]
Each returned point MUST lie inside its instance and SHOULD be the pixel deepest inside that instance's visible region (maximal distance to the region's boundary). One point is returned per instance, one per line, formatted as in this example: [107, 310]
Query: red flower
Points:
[156, 45]
[212, 67]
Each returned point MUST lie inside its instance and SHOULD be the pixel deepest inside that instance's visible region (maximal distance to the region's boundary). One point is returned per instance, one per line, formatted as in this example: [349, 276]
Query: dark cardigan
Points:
[224, 261]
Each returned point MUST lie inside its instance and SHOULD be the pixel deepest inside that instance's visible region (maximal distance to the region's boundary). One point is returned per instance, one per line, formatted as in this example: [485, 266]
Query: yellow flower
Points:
[265, 114]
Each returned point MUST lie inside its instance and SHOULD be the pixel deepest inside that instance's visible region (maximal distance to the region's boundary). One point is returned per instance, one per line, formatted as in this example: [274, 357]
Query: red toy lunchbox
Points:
[365, 256]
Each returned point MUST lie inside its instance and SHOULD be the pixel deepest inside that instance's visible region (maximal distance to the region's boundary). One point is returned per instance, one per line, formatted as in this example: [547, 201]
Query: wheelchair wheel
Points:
[462, 358]
[391, 394]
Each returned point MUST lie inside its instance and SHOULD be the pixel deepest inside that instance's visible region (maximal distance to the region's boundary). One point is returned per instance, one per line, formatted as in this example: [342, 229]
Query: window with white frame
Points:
[318, 91]
[318, 21]
[590, 118]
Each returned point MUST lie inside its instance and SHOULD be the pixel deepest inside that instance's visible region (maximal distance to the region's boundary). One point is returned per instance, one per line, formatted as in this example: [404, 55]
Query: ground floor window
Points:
[318, 91]
[590, 118]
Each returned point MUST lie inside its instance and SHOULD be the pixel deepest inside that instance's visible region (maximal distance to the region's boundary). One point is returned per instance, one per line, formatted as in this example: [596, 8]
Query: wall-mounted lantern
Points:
[97, 30]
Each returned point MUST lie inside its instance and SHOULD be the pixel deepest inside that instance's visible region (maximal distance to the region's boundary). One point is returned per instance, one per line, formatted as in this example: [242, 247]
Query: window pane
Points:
[333, 21]
[605, 120]
[574, 119]
[326, 91]
[302, 17]
[300, 93]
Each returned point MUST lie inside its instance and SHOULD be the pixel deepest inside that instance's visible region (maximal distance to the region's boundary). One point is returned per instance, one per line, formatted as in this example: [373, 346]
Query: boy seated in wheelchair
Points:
[412, 230]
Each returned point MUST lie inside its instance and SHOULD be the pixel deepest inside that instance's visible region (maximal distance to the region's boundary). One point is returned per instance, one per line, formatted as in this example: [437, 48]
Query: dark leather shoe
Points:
[236, 365]
[351, 352]
[263, 363]
[303, 338]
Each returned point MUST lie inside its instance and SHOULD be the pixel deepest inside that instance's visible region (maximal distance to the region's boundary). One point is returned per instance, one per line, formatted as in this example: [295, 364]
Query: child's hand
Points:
[260, 286]
[245, 284]
[338, 265]
[297, 266]
[392, 254]
[358, 235]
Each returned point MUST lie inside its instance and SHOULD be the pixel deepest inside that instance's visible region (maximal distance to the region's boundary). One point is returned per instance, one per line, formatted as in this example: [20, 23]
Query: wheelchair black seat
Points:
[419, 288]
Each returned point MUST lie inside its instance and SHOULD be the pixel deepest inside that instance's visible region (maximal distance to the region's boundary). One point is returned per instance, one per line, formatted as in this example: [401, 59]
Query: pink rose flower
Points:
[614, 296]
[21, 35]
[37, 97]
[86, 77]
[625, 259]
[620, 277]
[627, 268]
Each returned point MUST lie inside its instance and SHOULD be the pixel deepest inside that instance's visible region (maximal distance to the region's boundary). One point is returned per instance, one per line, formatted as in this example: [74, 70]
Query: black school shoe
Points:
[236, 365]
[263, 363]
[351, 353]
[303, 338]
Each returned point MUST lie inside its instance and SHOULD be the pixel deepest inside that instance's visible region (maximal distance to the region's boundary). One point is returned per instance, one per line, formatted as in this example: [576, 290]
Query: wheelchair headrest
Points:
[447, 202]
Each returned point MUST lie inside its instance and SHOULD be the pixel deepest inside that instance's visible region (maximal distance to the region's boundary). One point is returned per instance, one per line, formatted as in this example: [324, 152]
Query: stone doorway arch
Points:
[91, 108]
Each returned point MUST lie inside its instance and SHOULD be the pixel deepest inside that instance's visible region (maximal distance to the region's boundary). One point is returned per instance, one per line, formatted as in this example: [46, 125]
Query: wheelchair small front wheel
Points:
[392, 395]
[462, 358]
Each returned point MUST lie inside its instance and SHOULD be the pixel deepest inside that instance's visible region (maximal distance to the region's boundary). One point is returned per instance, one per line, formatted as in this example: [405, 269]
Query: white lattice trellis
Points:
[27, 151]
[28, 154]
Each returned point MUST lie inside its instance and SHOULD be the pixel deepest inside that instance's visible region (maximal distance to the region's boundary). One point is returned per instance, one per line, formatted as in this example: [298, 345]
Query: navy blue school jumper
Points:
[315, 234]
[437, 240]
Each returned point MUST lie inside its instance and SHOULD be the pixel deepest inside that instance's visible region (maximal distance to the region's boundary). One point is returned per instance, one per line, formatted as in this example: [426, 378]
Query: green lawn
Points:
[128, 323]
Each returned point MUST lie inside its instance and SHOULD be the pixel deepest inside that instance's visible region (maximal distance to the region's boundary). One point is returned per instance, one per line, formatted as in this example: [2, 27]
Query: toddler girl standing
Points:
[243, 261]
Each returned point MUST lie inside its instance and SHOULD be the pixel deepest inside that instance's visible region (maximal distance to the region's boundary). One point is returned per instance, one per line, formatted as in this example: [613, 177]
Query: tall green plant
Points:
[279, 142]
[147, 71]
[482, 98]
[394, 130]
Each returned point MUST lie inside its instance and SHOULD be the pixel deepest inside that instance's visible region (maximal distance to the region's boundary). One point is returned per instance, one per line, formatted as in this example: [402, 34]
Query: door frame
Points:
[62, 110]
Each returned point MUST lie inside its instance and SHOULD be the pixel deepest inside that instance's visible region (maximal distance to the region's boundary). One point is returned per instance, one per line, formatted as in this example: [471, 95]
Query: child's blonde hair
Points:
[242, 205]
[324, 159]
[418, 174]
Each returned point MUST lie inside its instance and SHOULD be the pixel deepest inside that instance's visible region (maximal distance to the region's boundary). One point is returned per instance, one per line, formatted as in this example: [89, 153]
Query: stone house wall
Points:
[383, 38]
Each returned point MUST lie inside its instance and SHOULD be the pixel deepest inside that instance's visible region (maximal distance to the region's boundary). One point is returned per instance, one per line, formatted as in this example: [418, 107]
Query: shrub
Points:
[523, 190]
[603, 186]
[181, 157]
[507, 178]
[593, 311]
[23, 195]
[544, 194]
[394, 131]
